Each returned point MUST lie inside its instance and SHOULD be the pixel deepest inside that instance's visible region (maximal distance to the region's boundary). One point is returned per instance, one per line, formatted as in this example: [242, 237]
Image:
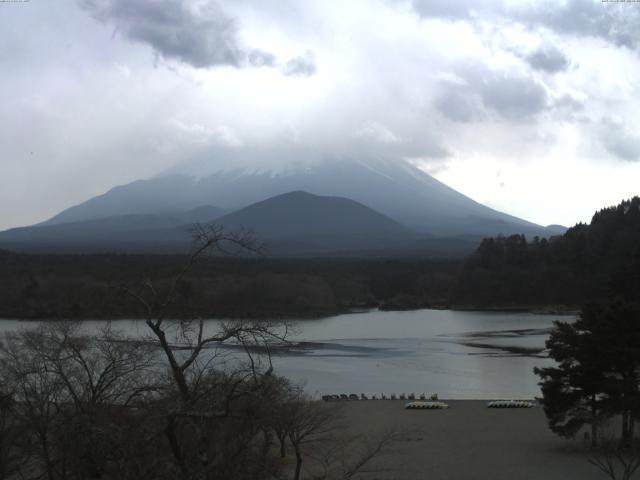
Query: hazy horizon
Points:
[526, 107]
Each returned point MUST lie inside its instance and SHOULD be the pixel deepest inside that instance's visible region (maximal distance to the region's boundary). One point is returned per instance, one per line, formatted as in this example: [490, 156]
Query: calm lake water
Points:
[458, 355]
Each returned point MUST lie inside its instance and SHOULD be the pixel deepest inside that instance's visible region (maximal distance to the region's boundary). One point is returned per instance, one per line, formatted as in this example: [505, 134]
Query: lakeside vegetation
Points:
[505, 273]
[588, 262]
[80, 287]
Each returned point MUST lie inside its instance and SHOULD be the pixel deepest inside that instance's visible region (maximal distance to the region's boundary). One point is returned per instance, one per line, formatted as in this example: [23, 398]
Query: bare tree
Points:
[191, 333]
[207, 386]
[348, 456]
[323, 448]
[106, 368]
[38, 394]
[617, 460]
[69, 390]
[12, 459]
[310, 423]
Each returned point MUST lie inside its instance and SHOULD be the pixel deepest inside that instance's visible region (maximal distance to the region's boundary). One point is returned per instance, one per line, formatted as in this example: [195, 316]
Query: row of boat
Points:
[424, 405]
[393, 396]
[420, 405]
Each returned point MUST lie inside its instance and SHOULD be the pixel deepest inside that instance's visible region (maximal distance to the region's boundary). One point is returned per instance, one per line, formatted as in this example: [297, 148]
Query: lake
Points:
[456, 354]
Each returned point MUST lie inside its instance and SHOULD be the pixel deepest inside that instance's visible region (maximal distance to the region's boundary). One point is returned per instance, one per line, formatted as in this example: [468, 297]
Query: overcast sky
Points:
[528, 107]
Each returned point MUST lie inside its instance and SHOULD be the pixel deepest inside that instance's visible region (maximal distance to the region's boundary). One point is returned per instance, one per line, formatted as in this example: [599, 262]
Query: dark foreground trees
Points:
[77, 406]
[597, 376]
[615, 462]
[190, 400]
[73, 399]
[588, 262]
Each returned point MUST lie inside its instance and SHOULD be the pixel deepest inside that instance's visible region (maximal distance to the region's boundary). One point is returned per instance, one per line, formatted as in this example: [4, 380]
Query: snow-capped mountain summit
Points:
[393, 187]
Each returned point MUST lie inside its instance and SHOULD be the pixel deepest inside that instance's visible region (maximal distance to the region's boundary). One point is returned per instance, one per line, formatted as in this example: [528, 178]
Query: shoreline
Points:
[543, 310]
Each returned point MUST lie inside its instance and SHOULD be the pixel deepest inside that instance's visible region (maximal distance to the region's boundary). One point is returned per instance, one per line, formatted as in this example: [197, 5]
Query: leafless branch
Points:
[617, 461]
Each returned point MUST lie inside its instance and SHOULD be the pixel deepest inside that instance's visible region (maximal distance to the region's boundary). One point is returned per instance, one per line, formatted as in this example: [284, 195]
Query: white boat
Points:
[510, 404]
[422, 405]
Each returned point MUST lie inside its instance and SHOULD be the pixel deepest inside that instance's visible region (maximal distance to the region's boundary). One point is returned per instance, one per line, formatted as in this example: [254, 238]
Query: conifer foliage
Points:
[597, 376]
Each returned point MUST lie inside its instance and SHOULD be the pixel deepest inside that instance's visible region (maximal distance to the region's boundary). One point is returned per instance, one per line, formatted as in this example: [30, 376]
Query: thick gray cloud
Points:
[549, 59]
[453, 9]
[615, 22]
[258, 58]
[612, 21]
[198, 34]
[624, 146]
[569, 102]
[460, 104]
[510, 96]
[619, 140]
[303, 65]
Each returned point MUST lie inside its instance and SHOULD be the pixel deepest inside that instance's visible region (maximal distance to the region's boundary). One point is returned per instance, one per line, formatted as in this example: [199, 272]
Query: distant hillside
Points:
[301, 213]
[393, 187]
[292, 224]
[587, 262]
[555, 230]
[201, 214]
[299, 222]
[130, 233]
[161, 196]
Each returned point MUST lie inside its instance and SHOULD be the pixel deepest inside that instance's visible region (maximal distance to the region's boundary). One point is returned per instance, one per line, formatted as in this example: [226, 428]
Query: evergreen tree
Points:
[573, 390]
[598, 370]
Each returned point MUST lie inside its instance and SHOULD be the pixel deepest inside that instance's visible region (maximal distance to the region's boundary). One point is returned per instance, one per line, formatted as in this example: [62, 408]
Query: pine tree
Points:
[598, 370]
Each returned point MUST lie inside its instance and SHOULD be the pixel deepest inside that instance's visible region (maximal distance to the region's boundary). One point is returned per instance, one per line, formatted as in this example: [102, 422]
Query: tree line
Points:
[86, 287]
[595, 382]
[587, 262]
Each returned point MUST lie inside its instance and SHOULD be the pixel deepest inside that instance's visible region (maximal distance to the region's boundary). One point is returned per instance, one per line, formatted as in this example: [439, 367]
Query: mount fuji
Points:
[392, 191]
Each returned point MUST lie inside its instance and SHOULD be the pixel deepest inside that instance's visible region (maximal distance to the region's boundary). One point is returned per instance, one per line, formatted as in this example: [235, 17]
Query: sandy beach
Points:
[470, 441]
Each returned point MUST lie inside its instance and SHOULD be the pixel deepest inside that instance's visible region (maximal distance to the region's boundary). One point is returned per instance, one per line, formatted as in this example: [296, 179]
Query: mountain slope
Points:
[303, 214]
[160, 196]
[133, 232]
[292, 224]
[394, 188]
[297, 223]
